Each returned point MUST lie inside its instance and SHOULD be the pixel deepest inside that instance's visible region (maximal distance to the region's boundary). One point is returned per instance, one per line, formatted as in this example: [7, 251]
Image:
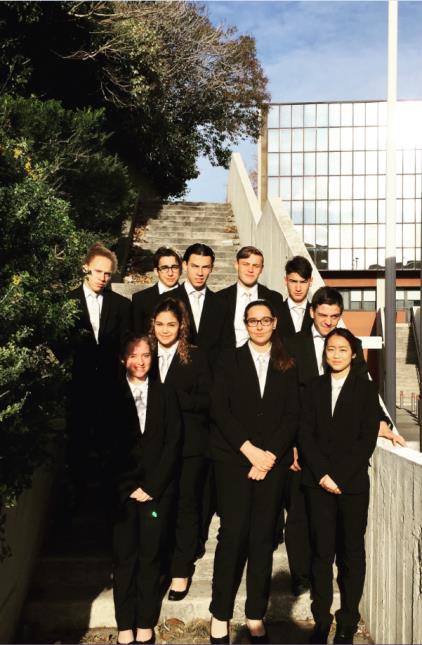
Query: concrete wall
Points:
[392, 602]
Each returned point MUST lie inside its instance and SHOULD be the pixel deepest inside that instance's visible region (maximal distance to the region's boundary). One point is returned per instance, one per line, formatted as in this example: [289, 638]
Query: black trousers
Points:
[338, 524]
[187, 520]
[297, 534]
[138, 529]
[248, 512]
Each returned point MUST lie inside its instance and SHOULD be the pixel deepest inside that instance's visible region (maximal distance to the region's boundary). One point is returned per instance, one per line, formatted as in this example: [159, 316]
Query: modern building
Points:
[327, 162]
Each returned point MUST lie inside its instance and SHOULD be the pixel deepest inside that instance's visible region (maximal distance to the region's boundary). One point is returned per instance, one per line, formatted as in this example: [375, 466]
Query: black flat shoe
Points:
[260, 639]
[344, 634]
[219, 639]
[320, 634]
[150, 640]
[179, 595]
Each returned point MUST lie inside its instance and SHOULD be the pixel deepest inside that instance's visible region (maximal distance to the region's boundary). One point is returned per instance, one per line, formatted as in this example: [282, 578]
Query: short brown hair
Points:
[99, 249]
[246, 251]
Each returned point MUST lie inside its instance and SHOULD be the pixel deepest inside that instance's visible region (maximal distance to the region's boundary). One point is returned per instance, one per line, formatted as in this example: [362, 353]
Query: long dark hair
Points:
[280, 359]
[178, 309]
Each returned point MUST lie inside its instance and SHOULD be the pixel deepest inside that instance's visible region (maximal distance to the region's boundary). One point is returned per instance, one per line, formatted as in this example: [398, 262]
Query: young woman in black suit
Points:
[338, 434]
[185, 368]
[255, 414]
[147, 429]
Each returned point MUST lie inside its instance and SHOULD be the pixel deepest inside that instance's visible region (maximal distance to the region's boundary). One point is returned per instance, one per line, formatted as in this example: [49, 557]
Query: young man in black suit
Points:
[249, 265]
[296, 309]
[168, 267]
[104, 320]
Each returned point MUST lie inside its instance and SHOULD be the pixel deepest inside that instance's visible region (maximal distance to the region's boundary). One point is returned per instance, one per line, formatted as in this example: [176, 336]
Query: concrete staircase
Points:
[179, 224]
[407, 375]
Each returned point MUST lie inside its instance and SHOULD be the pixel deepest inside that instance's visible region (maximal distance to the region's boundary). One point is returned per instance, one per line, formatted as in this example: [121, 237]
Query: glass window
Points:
[310, 116]
[371, 258]
[359, 114]
[371, 232]
[322, 115]
[381, 186]
[297, 163]
[371, 210]
[297, 212]
[334, 236]
[358, 186]
[408, 210]
[273, 187]
[382, 162]
[346, 114]
[272, 164]
[408, 255]
[309, 163]
[285, 188]
[371, 187]
[297, 140]
[409, 161]
[358, 259]
[358, 211]
[322, 235]
[334, 139]
[297, 116]
[382, 138]
[273, 116]
[382, 113]
[381, 210]
[346, 187]
[309, 234]
[310, 139]
[334, 212]
[346, 163]
[359, 163]
[334, 114]
[285, 116]
[399, 161]
[322, 139]
[346, 212]
[309, 212]
[297, 188]
[372, 114]
[399, 235]
[321, 187]
[371, 138]
[359, 138]
[334, 162]
[418, 189]
[321, 212]
[346, 259]
[409, 186]
[285, 164]
[356, 295]
[333, 259]
[399, 186]
[334, 187]
[346, 235]
[346, 138]
[322, 163]
[358, 235]
[381, 257]
[309, 188]
[371, 163]
[285, 140]
[381, 234]
[399, 210]
[273, 141]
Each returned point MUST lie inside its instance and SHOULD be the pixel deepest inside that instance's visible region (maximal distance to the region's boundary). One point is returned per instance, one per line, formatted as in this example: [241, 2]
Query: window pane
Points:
[399, 186]
[399, 210]
[371, 163]
[334, 114]
[285, 116]
[381, 186]
[359, 138]
[382, 138]
[358, 259]
[321, 187]
[359, 163]
[346, 259]
[322, 163]
[322, 115]
[358, 235]
[297, 163]
[310, 139]
[358, 211]
[358, 186]
[346, 163]
[321, 212]
[297, 116]
[381, 234]
[297, 212]
[408, 235]
[346, 212]
[408, 256]
[297, 188]
[409, 161]
[273, 141]
[322, 139]
[372, 114]
[309, 188]
[334, 138]
[382, 113]
[310, 116]
[409, 210]
[309, 163]
[297, 140]
[334, 163]
[285, 140]
[273, 187]
[333, 259]
[334, 212]
[381, 210]
[346, 235]
[371, 210]
[309, 235]
[309, 212]
[285, 189]
[359, 114]
[371, 236]
[321, 235]
[371, 187]
[272, 164]
[399, 161]
[371, 258]
[408, 185]
[371, 138]
[346, 139]
[399, 235]
[334, 236]
[285, 167]
[334, 187]
[346, 187]
[273, 113]
[382, 160]
[346, 114]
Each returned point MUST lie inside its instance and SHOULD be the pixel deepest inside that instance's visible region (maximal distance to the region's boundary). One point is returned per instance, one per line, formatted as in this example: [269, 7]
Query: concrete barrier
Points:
[392, 602]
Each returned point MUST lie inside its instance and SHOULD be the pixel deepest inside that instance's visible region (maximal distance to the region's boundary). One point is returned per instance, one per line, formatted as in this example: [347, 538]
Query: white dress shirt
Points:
[94, 303]
[140, 396]
[196, 299]
[319, 342]
[163, 289]
[297, 312]
[261, 361]
[336, 385]
[243, 297]
[165, 357]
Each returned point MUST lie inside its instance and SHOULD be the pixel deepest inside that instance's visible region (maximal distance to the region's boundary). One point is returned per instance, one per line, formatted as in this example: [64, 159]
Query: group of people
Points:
[236, 402]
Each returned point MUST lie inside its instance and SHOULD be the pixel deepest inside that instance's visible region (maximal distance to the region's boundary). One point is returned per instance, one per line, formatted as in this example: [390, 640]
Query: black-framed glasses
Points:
[167, 269]
[266, 321]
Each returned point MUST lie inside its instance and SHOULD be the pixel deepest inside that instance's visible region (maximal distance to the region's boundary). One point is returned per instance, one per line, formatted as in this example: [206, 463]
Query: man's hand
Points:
[261, 459]
[329, 485]
[295, 465]
[140, 495]
[386, 432]
[256, 474]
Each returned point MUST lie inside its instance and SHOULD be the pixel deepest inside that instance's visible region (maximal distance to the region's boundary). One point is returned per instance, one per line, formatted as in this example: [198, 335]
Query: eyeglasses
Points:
[167, 269]
[265, 322]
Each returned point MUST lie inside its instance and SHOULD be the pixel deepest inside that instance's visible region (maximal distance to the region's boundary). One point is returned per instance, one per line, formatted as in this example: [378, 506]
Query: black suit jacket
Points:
[228, 297]
[209, 335]
[192, 384]
[147, 460]
[143, 305]
[286, 326]
[339, 445]
[239, 413]
[92, 360]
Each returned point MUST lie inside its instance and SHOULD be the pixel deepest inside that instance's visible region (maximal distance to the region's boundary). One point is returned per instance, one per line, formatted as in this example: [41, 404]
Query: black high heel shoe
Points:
[216, 640]
[258, 640]
[179, 595]
[150, 641]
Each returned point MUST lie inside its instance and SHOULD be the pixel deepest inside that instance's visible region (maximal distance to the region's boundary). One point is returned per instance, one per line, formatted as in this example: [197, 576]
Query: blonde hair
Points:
[99, 249]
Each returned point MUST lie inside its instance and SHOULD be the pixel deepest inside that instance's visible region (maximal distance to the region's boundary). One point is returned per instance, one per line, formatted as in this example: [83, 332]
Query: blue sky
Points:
[317, 51]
